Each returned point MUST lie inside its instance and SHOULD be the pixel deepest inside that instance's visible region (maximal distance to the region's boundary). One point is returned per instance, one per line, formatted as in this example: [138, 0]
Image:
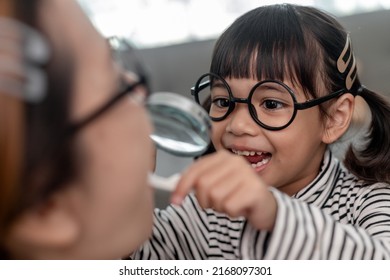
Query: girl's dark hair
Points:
[46, 160]
[304, 44]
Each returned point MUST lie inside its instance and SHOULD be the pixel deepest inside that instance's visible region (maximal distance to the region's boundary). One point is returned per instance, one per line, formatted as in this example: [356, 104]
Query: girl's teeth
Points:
[246, 153]
[252, 153]
[260, 163]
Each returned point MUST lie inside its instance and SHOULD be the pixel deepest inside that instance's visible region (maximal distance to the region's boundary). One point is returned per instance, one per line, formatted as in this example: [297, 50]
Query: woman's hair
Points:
[313, 50]
[36, 157]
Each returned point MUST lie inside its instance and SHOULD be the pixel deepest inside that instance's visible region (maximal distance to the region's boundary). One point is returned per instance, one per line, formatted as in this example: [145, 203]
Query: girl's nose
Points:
[240, 122]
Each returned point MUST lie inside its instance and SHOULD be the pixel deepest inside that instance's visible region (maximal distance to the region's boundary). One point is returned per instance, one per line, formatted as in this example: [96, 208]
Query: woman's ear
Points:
[46, 228]
[339, 119]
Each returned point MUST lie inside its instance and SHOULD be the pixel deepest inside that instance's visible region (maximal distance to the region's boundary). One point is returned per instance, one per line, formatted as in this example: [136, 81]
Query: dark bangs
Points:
[269, 42]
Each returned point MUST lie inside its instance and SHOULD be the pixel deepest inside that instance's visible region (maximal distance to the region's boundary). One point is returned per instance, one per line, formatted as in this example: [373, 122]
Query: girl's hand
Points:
[228, 184]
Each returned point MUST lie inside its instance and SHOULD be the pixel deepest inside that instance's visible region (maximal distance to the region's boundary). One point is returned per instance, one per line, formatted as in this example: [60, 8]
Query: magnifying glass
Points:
[181, 127]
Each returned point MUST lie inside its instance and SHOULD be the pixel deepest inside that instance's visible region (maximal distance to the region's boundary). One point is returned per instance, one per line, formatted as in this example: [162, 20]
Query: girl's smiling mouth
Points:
[258, 160]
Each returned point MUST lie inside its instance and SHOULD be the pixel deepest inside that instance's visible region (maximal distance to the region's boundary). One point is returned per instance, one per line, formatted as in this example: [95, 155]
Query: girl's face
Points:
[287, 159]
[111, 197]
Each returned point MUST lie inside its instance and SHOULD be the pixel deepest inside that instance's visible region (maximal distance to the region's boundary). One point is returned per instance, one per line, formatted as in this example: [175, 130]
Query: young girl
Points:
[75, 150]
[283, 83]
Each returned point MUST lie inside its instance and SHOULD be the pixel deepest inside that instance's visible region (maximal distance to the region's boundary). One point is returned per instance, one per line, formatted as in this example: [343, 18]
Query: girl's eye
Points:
[221, 102]
[272, 104]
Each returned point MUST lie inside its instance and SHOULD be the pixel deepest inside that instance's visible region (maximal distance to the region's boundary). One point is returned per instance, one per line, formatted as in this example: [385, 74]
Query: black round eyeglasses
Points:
[271, 103]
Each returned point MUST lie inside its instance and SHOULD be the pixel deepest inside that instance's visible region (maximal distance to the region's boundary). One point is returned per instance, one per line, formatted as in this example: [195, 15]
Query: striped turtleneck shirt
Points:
[336, 216]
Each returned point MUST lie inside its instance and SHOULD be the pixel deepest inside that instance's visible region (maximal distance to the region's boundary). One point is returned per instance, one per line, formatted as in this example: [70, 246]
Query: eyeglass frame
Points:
[128, 89]
[233, 100]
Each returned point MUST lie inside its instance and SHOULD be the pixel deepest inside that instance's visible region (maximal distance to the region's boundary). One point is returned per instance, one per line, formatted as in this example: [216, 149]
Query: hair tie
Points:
[360, 90]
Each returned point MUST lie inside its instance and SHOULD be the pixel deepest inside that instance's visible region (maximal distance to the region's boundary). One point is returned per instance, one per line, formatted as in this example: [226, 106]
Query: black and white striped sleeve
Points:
[190, 232]
[304, 231]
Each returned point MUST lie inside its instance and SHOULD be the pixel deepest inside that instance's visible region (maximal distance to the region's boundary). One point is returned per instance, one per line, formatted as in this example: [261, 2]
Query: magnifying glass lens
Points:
[181, 126]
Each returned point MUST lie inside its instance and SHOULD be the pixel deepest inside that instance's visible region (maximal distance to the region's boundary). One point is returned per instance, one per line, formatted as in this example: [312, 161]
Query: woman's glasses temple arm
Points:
[77, 126]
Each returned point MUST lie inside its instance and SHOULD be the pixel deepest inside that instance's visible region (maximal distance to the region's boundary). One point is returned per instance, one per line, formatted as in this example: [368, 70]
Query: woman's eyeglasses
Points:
[126, 89]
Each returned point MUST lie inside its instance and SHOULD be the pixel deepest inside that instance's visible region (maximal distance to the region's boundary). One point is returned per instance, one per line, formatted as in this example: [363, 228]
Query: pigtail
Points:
[372, 162]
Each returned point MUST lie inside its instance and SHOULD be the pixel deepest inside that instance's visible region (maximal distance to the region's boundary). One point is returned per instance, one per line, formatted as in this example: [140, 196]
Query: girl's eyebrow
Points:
[271, 86]
[217, 83]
